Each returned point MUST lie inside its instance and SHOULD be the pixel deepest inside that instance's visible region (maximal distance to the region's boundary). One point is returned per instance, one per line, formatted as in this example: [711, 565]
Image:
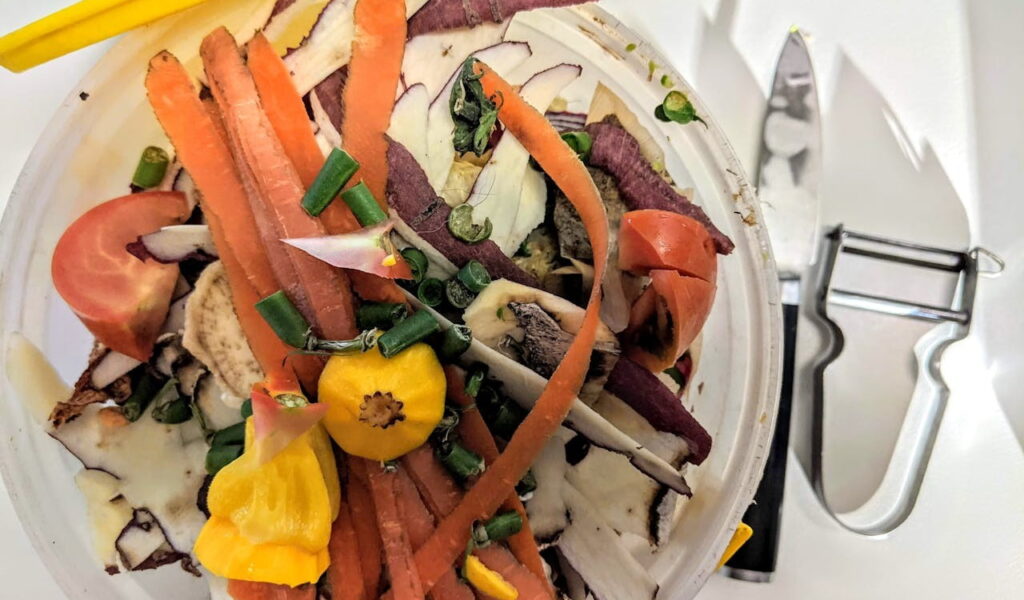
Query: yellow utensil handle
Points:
[739, 537]
[79, 25]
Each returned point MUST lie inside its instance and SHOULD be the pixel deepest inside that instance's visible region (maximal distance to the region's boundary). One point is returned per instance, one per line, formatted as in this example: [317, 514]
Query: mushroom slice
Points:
[546, 508]
[215, 337]
[536, 328]
[525, 386]
[594, 550]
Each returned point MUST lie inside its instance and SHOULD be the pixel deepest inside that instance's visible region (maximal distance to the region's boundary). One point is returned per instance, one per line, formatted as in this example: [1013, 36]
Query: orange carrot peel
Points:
[555, 157]
[477, 437]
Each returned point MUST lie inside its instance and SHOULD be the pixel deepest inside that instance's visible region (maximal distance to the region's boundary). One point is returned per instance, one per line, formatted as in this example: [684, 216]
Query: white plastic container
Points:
[89, 151]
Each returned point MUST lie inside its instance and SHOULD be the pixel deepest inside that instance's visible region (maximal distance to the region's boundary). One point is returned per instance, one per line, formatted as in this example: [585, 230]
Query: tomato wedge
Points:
[122, 300]
[658, 239]
[667, 317]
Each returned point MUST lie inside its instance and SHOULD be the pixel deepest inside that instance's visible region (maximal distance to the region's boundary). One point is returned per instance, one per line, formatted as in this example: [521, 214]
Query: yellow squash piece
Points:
[284, 501]
[227, 553]
[78, 26]
[382, 408]
[271, 522]
[488, 582]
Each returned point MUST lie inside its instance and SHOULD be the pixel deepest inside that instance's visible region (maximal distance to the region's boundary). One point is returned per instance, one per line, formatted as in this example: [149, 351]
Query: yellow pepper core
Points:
[271, 522]
[488, 582]
[381, 408]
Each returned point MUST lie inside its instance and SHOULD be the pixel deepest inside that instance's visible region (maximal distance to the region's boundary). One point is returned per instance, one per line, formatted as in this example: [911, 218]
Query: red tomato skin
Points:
[687, 300]
[122, 300]
[658, 239]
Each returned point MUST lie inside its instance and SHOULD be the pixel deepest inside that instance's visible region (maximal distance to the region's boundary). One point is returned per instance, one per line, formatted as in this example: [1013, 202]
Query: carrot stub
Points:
[543, 142]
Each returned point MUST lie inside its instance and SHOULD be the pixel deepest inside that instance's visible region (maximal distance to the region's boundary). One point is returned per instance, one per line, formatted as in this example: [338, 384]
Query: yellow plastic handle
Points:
[78, 26]
[739, 537]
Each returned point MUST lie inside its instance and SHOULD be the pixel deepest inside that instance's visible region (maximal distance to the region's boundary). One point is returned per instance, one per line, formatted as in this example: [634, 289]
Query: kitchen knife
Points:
[788, 178]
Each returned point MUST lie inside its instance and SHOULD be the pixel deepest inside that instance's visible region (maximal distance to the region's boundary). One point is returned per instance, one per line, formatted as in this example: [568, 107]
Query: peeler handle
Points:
[756, 560]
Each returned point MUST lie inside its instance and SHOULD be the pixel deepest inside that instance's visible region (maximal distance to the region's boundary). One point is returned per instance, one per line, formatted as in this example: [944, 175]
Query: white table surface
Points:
[922, 121]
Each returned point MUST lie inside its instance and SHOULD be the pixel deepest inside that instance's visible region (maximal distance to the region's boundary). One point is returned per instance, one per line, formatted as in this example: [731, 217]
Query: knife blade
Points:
[789, 176]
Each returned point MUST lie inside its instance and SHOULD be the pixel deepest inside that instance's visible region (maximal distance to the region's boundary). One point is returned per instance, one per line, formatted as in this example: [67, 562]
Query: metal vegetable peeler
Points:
[894, 499]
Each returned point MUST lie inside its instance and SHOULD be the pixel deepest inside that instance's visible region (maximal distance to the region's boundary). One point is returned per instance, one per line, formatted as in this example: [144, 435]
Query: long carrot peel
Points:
[398, 553]
[369, 94]
[284, 108]
[345, 575]
[277, 182]
[534, 132]
[477, 437]
[439, 491]
[201, 145]
[364, 521]
[419, 524]
[287, 114]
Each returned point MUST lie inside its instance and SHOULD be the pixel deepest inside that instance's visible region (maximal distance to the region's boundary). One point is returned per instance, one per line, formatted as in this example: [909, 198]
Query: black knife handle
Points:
[755, 561]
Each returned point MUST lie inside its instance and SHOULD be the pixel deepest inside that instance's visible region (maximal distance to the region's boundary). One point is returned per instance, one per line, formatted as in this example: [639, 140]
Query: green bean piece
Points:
[168, 407]
[677, 107]
[497, 528]
[527, 485]
[458, 294]
[454, 343]
[148, 386]
[286, 320]
[235, 434]
[380, 315]
[151, 168]
[417, 261]
[413, 329]
[506, 419]
[337, 170]
[461, 225]
[247, 408]
[475, 379]
[580, 142]
[364, 206]
[462, 462]
[430, 291]
[474, 276]
[218, 457]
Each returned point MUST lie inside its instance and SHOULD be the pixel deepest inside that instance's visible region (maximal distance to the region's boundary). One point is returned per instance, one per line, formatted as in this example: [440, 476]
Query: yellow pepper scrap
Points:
[488, 582]
[271, 522]
[382, 408]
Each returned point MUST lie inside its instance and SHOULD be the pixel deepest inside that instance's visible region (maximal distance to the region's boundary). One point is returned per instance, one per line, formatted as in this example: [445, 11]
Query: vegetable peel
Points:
[369, 250]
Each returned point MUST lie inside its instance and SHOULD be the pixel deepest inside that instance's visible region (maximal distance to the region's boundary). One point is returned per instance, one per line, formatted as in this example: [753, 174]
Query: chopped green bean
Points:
[417, 263]
[413, 329]
[235, 434]
[151, 168]
[475, 379]
[580, 142]
[364, 206]
[462, 462]
[462, 227]
[497, 528]
[143, 392]
[455, 342]
[430, 291]
[506, 419]
[286, 320]
[337, 170]
[218, 457]
[458, 294]
[527, 485]
[170, 408]
[380, 315]
[247, 408]
[474, 276]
